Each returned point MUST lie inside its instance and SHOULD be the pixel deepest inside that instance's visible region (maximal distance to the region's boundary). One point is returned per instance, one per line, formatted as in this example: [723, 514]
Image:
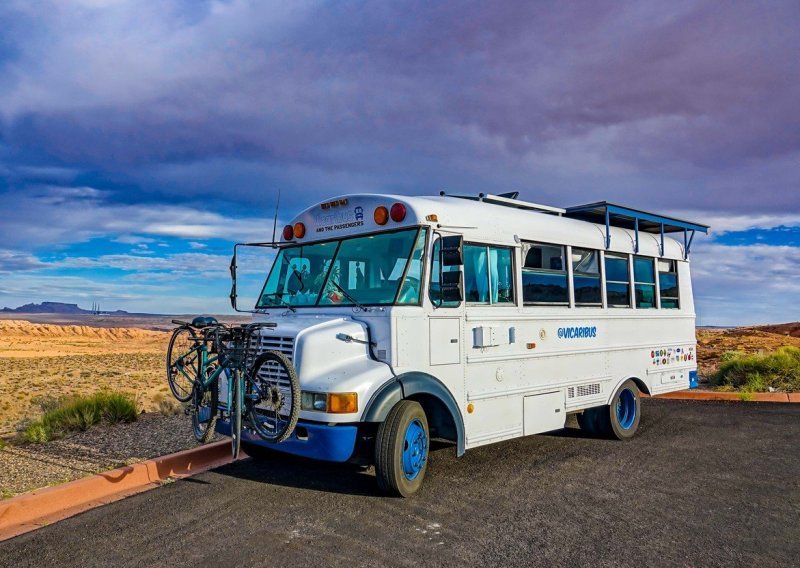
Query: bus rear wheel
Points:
[401, 449]
[620, 419]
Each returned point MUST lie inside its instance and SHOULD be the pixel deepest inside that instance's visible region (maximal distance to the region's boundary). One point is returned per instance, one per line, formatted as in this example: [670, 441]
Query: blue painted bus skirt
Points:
[318, 441]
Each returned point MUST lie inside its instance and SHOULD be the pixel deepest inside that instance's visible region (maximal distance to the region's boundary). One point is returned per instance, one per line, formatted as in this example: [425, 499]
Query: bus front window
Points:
[366, 270]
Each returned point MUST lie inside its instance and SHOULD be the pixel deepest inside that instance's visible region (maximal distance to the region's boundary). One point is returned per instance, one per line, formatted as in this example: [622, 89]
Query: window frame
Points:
[677, 298]
[565, 272]
[628, 263]
[513, 280]
[599, 276]
[656, 299]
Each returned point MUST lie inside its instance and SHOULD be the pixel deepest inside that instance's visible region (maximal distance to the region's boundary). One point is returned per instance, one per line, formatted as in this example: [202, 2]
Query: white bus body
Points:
[514, 358]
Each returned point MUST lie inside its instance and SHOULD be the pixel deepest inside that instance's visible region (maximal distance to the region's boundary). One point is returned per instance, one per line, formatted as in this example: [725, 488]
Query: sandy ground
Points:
[19, 338]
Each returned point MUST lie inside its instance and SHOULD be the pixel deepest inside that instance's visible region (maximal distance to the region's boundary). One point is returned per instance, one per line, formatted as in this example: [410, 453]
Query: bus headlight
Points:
[333, 402]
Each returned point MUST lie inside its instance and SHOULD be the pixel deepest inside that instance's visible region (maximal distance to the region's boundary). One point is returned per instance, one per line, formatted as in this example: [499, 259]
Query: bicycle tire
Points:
[180, 339]
[204, 431]
[269, 376]
[236, 416]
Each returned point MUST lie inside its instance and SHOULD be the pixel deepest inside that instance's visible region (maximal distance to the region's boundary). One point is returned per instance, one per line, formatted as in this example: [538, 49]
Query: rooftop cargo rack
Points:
[509, 200]
[613, 215]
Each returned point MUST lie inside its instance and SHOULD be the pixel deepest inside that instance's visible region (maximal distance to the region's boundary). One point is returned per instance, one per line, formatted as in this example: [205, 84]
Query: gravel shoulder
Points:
[104, 447]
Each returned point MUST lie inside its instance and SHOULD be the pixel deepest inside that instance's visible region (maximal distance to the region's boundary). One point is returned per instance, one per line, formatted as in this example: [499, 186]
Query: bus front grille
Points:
[284, 345]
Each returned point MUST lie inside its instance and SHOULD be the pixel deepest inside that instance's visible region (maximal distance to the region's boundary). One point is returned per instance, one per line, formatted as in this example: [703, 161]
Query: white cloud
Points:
[59, 217]
[737, 285]
[722, 223]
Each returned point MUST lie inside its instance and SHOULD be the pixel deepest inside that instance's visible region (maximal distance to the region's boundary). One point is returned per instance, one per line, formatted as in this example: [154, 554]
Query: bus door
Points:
[445, 324]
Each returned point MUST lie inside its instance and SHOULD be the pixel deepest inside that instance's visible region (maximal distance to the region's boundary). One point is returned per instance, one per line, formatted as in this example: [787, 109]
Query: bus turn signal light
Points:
[299, 230]
[288, 233]
[398, 212]
[342, 402]
[381, 215]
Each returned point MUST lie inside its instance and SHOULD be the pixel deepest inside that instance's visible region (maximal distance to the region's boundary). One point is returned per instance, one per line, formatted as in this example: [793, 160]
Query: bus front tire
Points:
[401, 449]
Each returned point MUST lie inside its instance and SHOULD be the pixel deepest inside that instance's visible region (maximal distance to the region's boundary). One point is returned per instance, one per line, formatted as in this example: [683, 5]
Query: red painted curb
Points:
[38, 508]
[732, 396]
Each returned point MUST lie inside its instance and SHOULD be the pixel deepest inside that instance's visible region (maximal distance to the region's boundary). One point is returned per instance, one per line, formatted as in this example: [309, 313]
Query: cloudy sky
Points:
[139, 139]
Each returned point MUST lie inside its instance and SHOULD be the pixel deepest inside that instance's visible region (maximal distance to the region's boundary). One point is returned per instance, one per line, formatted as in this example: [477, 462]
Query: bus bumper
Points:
[309, 439]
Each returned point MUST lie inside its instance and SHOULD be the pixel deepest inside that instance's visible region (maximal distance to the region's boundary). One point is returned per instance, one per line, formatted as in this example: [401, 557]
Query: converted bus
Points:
[472, 319]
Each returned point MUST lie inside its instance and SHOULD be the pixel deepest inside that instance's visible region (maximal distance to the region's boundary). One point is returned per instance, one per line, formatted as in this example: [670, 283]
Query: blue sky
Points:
[139, 140]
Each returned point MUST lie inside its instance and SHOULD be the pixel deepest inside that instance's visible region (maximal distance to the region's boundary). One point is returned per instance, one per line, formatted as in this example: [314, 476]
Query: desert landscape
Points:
[47, 356]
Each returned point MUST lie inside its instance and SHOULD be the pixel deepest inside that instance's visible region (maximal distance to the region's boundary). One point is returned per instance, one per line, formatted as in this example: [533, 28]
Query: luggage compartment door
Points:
[543, 413]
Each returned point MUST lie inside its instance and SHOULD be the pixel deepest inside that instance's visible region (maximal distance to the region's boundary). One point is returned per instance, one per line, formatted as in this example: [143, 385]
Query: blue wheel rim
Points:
[415, 449]
[626, 409]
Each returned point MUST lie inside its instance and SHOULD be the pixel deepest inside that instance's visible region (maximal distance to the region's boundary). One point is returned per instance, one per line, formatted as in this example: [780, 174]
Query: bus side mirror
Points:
[452, 250]
[452, 287]
[233, 281]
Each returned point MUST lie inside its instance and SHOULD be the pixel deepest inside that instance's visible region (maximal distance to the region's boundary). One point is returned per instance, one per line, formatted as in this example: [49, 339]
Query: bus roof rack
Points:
[613, 215]
[509, 200]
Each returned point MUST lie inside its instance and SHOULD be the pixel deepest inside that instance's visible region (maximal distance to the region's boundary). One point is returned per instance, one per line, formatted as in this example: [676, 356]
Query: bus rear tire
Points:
[401, 449]
[619, 420]
[622, 419]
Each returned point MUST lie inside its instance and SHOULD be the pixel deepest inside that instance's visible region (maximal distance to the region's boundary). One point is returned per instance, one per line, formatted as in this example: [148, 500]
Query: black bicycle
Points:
[207, 360]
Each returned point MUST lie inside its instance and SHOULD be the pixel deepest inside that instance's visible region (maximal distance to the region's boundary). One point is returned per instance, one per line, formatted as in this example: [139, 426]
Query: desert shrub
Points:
[119, 408]
[78, 414]
[3, 443]
[167, 405]
[757, 373]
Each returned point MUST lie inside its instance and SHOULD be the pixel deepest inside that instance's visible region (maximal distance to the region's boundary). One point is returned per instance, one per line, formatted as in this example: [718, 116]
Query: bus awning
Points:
[613, 215]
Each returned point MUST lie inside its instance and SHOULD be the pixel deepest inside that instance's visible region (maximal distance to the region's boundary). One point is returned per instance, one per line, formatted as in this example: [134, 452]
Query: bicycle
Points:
[204, 353]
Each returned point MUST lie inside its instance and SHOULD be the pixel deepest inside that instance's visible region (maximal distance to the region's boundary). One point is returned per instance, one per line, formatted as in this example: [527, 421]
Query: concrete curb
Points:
[33, 510]
[731, 396]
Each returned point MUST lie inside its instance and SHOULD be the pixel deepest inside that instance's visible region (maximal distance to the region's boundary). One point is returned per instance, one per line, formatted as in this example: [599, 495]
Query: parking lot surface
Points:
[702, 484]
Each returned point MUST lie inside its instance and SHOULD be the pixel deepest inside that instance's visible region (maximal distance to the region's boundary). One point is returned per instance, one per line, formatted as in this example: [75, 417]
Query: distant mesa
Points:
[55, 308]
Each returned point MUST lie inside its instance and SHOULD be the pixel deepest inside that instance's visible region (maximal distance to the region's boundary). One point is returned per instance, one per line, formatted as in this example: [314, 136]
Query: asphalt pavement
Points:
[702, 484]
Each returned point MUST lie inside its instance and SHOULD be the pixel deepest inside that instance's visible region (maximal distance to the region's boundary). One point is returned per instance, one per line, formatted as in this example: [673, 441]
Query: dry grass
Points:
[49, 361]
[713, 344]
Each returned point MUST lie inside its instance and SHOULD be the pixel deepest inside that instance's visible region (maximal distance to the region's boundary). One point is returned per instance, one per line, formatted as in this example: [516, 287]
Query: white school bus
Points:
[472, 319]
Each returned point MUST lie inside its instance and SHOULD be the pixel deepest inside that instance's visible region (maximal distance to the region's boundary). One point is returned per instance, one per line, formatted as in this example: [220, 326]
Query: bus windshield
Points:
[378, 269]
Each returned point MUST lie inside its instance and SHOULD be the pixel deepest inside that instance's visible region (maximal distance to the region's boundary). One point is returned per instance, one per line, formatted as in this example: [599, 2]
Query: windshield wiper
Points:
[279, 297]
[347, 295]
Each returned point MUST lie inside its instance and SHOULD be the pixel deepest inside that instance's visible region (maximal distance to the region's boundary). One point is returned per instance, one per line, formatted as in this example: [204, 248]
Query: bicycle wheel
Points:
[274, 397]
[204, 411]
[183, 360]
[236, 414]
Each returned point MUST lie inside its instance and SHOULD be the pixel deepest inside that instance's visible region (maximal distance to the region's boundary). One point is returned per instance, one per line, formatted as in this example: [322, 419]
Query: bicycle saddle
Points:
[203, 321]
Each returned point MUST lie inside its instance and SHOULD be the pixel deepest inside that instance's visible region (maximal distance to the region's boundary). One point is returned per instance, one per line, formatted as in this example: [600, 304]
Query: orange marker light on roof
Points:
[288, 233]
[381, 215]
[398, 212]
[299, 230]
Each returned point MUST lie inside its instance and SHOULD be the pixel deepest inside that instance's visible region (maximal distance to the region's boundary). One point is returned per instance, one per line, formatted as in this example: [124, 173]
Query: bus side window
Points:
[586, 277]
[644, 278]
[434, 289]
[544, 274]
[618, 281]
[488, 274]
[668, 282]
